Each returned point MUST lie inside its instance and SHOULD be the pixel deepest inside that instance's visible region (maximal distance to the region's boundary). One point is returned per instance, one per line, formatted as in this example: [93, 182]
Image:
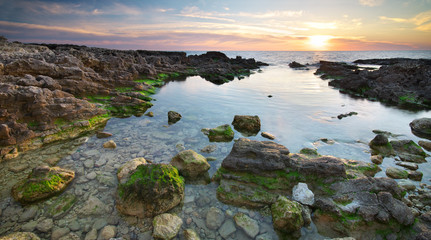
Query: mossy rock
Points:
[61, 205]
[190, 163]
[151, 190]
[248, 125]
[287, 215]
[43, 182]
[223, 133]
[310, 152]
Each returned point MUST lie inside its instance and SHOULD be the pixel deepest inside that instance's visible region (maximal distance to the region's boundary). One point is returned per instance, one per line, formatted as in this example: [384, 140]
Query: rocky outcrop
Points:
[397, 81]
[348, 201]
[48, 91]
[152, 189]
[43, 182]
[248, 125]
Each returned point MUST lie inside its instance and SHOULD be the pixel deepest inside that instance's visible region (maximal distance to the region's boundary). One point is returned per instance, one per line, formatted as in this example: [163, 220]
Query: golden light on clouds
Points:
[319, 42]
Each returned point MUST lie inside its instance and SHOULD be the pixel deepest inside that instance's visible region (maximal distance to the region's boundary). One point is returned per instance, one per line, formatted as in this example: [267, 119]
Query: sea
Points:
[301, 111]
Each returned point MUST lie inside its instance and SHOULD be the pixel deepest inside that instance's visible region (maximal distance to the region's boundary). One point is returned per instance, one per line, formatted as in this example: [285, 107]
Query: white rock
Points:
[302, 194]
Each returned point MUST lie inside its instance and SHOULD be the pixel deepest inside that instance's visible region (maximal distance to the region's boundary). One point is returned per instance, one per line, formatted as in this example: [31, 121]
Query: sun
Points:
[319, 42]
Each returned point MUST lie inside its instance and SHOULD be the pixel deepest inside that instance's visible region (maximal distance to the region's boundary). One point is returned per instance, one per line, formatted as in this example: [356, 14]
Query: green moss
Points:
[309, 152]
[221, 133]
[60, 122]
[46, 186]
[409, 98]
[123, 89]
[33, 124]
[96, 120]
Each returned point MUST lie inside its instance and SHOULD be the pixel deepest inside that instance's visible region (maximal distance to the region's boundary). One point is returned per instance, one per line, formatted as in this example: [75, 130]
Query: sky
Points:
[224, 25]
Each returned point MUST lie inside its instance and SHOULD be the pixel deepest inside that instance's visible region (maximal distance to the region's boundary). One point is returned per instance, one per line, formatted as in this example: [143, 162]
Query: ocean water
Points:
[302, 110]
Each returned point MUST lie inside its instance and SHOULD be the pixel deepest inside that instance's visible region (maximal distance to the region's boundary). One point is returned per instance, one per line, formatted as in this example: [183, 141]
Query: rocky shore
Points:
[399, 81]
[52, 92]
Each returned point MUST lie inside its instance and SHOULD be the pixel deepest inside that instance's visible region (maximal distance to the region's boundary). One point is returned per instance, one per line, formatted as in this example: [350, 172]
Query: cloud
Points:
[272, 14]
[322, 25]
[421, 20]
[195, 12]
[371, 3]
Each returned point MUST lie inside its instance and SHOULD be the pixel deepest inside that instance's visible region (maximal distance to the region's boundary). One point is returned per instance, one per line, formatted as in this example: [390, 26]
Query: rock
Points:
[397, 209]
[302, 194]
[287, 215]
[227, 229]
[18, 168]
[110, 144]
[28, 214]
[61, 205]
[396, 173]
[247, 224]
[151, 190]
[309, 152]
[322, 167]
[408, 165]
[267, 135]
[249, 125]
[57, 233]
[223, 133]
[415, 175]
[99, 224]
[20, 236]
[296, 65]
[70, 236]
[214, 218]
[209, 148]
[209, 159]
[173, 117]
[108, 232]
[255, 156]
[377, 159]
[190, 164]
[409, 151]
[128, 168]
[166, 226]
[29, 227]
[43, 182]
[91, 235]
[190, 234]
[341, 116]
[380, 145]
[93, 206]
[426, 145]
[150, 114]
[45, 225]
[91, 176]
[421, 127]
[103, 134]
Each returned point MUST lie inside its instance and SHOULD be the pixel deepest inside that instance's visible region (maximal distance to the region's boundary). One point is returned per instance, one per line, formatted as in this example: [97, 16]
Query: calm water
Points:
[303, 110]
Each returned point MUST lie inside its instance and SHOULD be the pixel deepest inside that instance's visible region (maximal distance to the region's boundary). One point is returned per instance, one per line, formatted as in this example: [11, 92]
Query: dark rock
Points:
[426, 145]
[103, 135]
[397, 208]
[381, 145]
[223, 133]
[415, 175]
[409, 151]
[173, 117]
[326, 166]
[421, 127]
[249, 125]
[254, 156]
[341, 116]
[296, 65]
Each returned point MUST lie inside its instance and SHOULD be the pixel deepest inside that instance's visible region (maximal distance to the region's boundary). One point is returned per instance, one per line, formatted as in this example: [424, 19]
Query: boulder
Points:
[248, 125]
[166, 226]
[215, 218]
[124, 172]
[151, 190]
[421, 127]
[43, 182]
[409, 151]
[173, 117]
[380, 145]
[190, 164]
[396, 173]
[287, 215]
[223, 133]
[247, 224]
[415, 175]
[426, 145]
[20, 236]
[190, 234]
[302, 194]
[107, 232]
[296, 65]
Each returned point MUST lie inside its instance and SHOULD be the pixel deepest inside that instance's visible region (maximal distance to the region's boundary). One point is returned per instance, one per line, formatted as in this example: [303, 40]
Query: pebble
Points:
[29, 227]
[28, 214]
[59, 232]
[91, 176]
[89, 163]
[103, 134]
[99, 224]
[108, 232]
[110, 144]
[268, 135]
[91, 235]
[74, 225]
[45, 225]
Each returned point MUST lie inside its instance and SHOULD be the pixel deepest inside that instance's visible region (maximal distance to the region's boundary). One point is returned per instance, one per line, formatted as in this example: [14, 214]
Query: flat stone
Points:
[91, 235]
[227, 229]
[103, 134]
[209, 148]
[45, 225]
[29, 227]
[247, 224]
[108, 232]
[91, 175]
[396, 173]
[59, 232]
[215, 218]
[166, 226]
[28, 214]
[99, 223]
[110, 144]
[408, 165]
[93, 206]
[18, 168]
[267, 135]
[89, 163]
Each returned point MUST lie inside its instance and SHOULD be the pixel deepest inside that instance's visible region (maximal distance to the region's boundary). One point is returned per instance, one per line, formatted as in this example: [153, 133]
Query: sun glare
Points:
[318, 42]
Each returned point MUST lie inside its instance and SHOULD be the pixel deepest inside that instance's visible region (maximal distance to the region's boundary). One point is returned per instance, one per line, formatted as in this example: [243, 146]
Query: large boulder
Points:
[190, 164]
[124, 172]
[287, 215]
[43, 182]
[421, 127]
[248, 125]
[381, 145]
[166, 226]
[151, 190]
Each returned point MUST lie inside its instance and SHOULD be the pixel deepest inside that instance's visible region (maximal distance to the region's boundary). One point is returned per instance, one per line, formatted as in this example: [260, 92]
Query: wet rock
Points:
[108, 232]
[209, 148]
[173, 117]
[18, 168]
[287, 215]
[409, 151]
[149, 114]
[421, 127]
[190, 234]
[296, 65]
[110, 144]
[247, 224]
[377, 159]
[29, 227]
[310, 152]
[267, 135]
[227, 229]
[61, 205]
[426, 145]
[190, 164]
[302, 194]
[28, 214]
[326, 166]
[396, 208]
[166, 226]
[151, 190]
[396, 173]
[415, 175]
[380, 145]
[408, 165]
[103, 134]
[43, 182]
[21, 236]
[264, 236]
[99, 224]
[215, 218]
[93, 206]
[223, 133]
[249, 125]
[91, 175]
[127, 169]
[70, 236]
[341, 116]
[45, 225]
[91, 235]
[57, 233]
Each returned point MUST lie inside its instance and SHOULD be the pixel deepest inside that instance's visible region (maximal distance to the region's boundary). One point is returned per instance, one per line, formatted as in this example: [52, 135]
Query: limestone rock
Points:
[190, 164]
[302, 194]
[128, 168]
[61, 205]
[166, 226]
[103, 134]
[396, 173]
[267, 135]
[173, 117]
[426, 145]
[190, 234]
[45, 225]
[43, 182]
[247, 224]
[108, 232]
[287, 215]
[223, 133]
[249, 125]
[151, 190]
[421, 127]
[20, 236]
[227, 229]
[110, 144]
[215, 218]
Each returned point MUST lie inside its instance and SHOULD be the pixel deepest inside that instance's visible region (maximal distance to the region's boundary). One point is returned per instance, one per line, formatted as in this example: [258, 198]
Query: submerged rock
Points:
[110, 144]
[247, 224]
[421, 127]
[151, 190]
[287, 215]
[223, 133]
[103, 134]
[190, 234]
[249, 125]
[43, 182]
[173, 117]
[215, 218]
[20, 236]
[61, 205]
[396, 173]
[166, 226]
[190, 164]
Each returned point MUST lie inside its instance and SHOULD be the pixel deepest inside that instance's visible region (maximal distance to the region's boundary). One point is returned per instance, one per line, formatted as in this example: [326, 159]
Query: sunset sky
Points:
[281, 25]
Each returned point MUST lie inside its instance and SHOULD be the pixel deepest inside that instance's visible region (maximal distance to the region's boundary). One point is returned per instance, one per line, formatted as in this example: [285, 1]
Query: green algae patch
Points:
[223, 133]
[287, 215]
[310, 152]
[61, 205]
